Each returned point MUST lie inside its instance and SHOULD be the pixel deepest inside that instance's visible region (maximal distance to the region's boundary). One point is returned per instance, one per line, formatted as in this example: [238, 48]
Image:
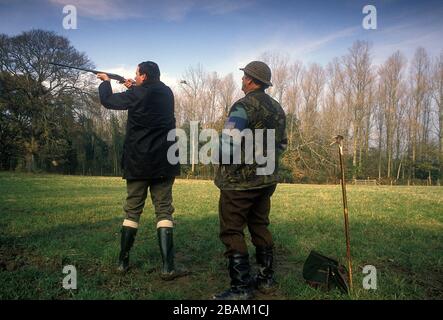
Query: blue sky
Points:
[223, 35]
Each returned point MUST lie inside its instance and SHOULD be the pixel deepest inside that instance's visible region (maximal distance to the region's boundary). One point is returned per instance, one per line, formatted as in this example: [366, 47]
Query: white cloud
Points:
[101, 9]
[123, 71]
[298, 46]
[169, 10]
[321, 42]
[406, 37]
[226, 6]
[129, 73]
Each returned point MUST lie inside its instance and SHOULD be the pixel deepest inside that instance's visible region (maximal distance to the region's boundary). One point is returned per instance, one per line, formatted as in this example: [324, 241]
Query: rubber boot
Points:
[241, 281]
[166, 243]
[126, 242]
[264, 280]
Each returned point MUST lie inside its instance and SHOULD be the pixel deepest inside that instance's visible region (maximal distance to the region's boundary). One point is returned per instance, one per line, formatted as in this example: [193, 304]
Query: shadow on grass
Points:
[408, 260]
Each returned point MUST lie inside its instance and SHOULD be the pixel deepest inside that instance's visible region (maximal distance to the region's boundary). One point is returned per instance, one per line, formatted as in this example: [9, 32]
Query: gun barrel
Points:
[110, 75]
[72, 67]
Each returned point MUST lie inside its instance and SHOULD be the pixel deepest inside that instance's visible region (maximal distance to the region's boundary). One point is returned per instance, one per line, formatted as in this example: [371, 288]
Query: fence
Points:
[371, 182]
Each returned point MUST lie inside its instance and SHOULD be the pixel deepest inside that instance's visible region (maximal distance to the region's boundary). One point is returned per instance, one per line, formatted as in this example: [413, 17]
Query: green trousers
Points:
[161, 196]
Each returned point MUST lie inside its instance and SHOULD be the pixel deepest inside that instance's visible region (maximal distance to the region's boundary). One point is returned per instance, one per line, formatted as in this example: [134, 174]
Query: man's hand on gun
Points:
[104, 77]
[129, 83]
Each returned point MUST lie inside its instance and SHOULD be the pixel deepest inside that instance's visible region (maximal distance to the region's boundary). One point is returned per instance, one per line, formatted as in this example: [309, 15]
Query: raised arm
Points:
[119, 101]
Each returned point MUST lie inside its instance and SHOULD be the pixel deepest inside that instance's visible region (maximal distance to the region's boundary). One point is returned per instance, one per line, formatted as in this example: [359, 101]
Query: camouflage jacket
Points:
[262, 112]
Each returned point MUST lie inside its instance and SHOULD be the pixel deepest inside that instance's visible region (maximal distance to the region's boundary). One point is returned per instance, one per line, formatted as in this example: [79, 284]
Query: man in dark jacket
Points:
[150, 105]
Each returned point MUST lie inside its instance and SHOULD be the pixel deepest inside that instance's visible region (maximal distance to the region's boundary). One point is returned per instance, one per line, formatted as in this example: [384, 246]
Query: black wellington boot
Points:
[264, 280]
[241, 281]
[166, 243]
[126, 242]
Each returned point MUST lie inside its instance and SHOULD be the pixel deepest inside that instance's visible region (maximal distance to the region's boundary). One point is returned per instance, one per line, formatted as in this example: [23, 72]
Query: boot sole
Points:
[267, 290]
[237, 297]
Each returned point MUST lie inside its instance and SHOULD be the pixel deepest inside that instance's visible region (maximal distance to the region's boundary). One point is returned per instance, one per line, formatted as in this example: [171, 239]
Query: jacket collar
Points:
[149, 82]
[254, 92]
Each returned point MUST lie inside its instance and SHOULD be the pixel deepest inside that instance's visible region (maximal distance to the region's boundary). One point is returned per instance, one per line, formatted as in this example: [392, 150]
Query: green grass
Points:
[49, 221]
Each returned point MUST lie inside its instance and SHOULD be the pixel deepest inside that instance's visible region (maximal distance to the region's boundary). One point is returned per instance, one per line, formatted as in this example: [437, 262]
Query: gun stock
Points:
[110, 75]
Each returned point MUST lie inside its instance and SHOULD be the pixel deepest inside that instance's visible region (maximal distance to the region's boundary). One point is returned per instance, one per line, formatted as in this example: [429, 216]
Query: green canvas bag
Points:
[326, 273]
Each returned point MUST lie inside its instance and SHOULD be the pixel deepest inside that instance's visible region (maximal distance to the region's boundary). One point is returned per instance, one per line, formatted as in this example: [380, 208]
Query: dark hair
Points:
[263, 86]
[150, 69]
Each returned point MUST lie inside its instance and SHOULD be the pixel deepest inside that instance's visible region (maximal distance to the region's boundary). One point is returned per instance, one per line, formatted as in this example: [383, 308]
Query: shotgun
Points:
[110, 75]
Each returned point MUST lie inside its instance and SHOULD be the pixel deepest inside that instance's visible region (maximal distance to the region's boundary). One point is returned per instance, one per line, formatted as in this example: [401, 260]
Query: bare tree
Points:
[228, 92]
[334, 116]
[391, 84]
[193, 86]
[312, 87]
[438, 97]
[279, 65]
[358, 78]
[210, 109]
[401, 128]
[419, 90]
[369, 119]
[291, 99]
[380, 124]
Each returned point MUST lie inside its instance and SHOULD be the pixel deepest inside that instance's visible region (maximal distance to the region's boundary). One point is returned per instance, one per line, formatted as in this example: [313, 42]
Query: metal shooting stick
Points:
[338, 141]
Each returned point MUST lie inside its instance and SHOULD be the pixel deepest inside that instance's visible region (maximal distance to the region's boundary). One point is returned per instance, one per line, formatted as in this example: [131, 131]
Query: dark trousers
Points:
[161, 196]
[238, 209]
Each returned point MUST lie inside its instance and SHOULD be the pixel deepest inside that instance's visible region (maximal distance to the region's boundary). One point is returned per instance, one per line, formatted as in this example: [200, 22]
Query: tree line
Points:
[391, 115]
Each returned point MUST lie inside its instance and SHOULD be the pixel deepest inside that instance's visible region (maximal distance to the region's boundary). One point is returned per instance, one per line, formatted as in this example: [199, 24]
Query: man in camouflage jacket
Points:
[246, 187]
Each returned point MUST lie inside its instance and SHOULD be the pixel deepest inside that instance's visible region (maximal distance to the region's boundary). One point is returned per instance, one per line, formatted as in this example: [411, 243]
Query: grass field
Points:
[49, 221]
